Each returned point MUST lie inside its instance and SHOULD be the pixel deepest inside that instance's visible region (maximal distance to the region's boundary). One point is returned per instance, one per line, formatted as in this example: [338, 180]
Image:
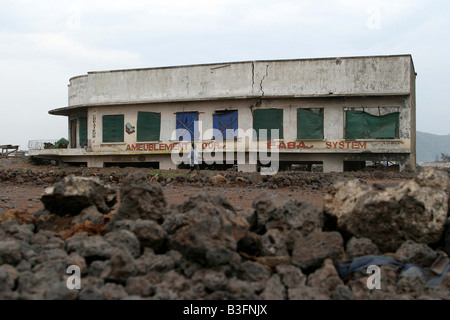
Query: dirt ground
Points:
[26, 196]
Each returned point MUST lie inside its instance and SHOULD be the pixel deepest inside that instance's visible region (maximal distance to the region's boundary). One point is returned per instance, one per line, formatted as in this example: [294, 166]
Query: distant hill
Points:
[430, 146]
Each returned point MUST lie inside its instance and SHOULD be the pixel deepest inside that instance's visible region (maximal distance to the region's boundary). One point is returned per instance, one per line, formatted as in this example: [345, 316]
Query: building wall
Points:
[334, 118]
[378, 85]
[412, 99]
[388, 75]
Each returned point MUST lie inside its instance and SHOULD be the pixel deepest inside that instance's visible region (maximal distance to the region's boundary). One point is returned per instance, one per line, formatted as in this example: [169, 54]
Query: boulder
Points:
[22, 232]
[306, 293]
[341, 292]
[218, 179]
[238, 289]
[326, 279]
[212, 280]
[73, 194]
[408, 211]
[10, 252]
[8, 277]
[433, 178]
[255, 178]
[59, 291]
[263, 205]
[142, 286]
[125, 238]
[206, 230]
[141, 199]
[113, 291]
[91, 289]
[411, 282]
[150, 234]
[358, 247]
[254, 271]
[416, 253]
[91, 248]
[77, 260]
[88, 214]
[295, 220]
[294, 214]
[274, 289]
[291, 276]
[123, 266]
[310, 252]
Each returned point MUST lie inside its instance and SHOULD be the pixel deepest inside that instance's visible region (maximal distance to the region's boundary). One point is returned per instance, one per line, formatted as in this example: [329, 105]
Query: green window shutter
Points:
[148, 126]
[268, 119]
[83, 131]
[113, 128]
[362, 125]
[309, 124]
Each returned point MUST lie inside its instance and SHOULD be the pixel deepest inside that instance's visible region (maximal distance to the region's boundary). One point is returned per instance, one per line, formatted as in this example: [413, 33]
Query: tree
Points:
[445, 157]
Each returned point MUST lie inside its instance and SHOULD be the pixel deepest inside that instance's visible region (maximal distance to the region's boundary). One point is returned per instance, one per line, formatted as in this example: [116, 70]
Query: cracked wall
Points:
[285, 78]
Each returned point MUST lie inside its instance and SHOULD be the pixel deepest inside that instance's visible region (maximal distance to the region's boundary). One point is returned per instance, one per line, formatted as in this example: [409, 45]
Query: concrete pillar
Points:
[333, 163]
[247, 167]
[247, 163]
[167, 164]
[95, 162]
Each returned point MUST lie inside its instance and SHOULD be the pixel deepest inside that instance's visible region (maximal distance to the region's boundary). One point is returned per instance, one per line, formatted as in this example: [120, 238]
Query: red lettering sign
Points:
[346, 145]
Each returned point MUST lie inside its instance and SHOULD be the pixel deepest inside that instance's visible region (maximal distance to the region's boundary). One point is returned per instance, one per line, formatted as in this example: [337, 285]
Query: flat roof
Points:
[240, 62]
[245, 93]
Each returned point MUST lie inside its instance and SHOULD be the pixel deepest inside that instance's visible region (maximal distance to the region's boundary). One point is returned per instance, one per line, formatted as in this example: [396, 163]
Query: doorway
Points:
[73, 133]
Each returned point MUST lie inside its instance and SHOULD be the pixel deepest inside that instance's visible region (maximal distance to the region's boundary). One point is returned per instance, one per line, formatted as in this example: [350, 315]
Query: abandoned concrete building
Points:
[338, 112]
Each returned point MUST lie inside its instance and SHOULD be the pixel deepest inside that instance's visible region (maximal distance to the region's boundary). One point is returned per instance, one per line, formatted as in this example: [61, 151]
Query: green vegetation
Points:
[445, 157]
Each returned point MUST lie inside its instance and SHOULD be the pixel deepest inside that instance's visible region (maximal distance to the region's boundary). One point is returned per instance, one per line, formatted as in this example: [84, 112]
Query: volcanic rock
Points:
[310, 252]
[73, 194]
[416, 253]
[409, 211]
[357, 247]
[141, 199]
[206, 230]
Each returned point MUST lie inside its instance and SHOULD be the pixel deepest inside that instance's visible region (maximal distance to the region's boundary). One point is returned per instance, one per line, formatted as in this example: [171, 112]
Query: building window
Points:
[187, 126]
[148, 126]
[363, 125]
[83, 131]
[268, 119]
[227, 123]
[113, 128]
[310, 124]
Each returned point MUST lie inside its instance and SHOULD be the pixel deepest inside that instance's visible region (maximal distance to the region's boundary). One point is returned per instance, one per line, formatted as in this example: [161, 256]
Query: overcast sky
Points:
[45, 43]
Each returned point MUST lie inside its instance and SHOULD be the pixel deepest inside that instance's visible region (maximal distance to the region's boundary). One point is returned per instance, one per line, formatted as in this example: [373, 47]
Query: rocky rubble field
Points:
[25, 174]
[205, 249]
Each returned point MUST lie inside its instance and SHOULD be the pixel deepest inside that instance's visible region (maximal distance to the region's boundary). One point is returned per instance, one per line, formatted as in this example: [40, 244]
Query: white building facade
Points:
[339, 112]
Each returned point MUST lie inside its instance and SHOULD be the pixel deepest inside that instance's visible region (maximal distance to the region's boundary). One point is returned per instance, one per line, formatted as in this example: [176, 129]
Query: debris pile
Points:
[205, 249]
[284, 179]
